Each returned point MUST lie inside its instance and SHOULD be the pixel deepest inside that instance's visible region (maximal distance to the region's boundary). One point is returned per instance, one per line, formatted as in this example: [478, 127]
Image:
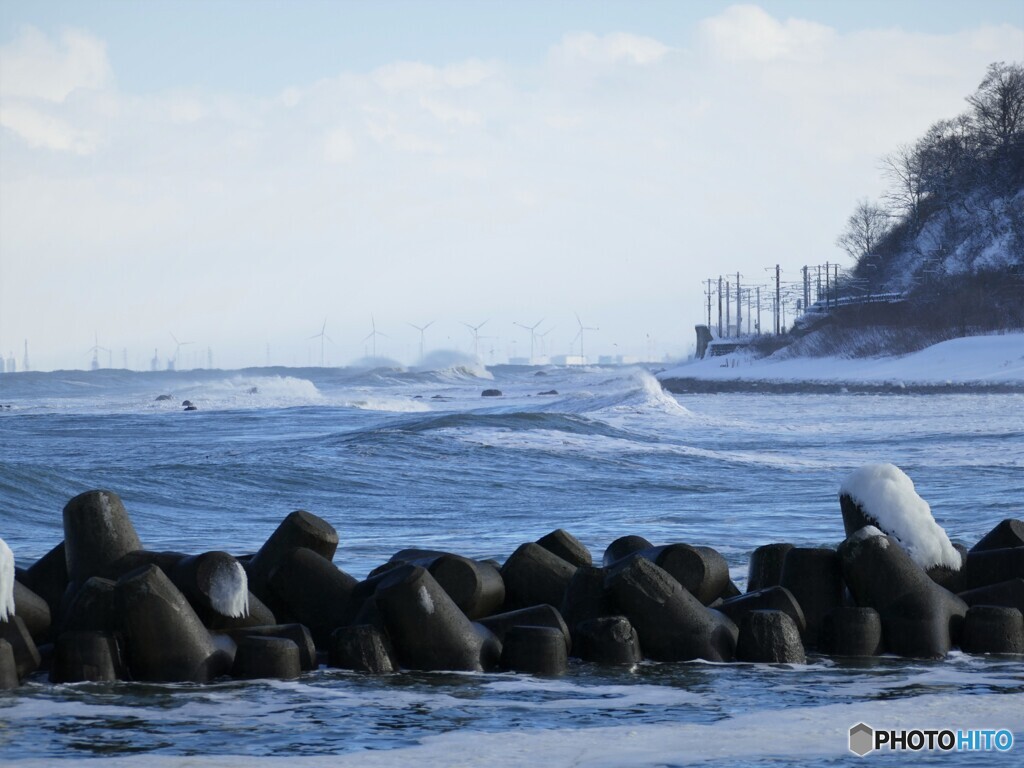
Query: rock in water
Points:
[881, 495]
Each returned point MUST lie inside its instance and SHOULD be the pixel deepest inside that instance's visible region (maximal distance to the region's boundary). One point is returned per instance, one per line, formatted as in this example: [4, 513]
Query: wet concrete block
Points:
[26, 653]
[671, 623]
[993, 629]
[1006, 535]
[314, 591]
[609, 640]
[475, 586]
[769, 637]
[767, 599]
[534, 650]
[297, 633]
[93, 608]
[164, 638]
[33, 610]
[586, 597]
[562, 543]
[533, 575]
[815, 578]
[426, 628]
[299, 529]
[8, 667]
[48, 578]
[622, 547]
[362, 648]
[765, 567]
[1009, 593]
[214, 583]
[991, 566]
[852, 631]
[97, 533]
[265, 657]
[87, 657]
[536, 615]
[953, 580]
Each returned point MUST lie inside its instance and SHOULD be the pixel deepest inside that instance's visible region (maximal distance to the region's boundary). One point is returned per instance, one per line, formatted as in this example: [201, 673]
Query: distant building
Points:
[569, 360]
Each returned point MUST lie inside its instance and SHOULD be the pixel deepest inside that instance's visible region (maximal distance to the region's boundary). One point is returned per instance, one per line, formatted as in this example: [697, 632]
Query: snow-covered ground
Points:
[973, 360]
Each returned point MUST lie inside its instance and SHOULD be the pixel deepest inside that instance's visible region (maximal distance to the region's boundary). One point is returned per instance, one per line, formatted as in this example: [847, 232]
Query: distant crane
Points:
[533, 334]
[322, 335]
[579, 334]
[372, 336]
[421, 329]
[475, 330]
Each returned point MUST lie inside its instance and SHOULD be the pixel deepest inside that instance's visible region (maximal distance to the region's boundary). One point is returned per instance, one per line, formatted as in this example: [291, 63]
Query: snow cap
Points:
[887, 496]
[6, 581]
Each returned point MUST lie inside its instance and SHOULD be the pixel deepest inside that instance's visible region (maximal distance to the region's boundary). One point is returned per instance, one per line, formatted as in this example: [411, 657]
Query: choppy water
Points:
[399, 459]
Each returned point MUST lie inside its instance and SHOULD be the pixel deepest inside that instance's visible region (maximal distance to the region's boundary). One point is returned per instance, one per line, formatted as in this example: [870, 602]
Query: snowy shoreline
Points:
[974, 364]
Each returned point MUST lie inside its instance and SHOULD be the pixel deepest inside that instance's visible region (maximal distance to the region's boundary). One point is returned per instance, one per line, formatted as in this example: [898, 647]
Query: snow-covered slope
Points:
[973, 360]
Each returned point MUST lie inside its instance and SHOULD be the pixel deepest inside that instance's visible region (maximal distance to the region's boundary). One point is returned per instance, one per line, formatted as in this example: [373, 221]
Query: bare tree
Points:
[906, 171]
[865, 229]
[999, 106]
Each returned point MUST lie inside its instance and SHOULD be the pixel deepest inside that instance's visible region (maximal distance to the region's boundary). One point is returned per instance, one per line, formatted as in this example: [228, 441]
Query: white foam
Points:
[6, 581]
[390, 404]
[793, 733]
[229, 590]
[887, 495]
[868, 532]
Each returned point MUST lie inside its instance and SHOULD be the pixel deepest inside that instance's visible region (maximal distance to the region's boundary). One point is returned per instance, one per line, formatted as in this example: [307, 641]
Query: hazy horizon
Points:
[230, 175]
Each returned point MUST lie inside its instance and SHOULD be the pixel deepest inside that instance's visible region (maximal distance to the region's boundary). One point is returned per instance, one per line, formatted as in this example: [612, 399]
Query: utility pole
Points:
[709, 302]
[759, 310]
[728, 307]
[807, 289]
[778, 298]
[739, 305]
[835, 283]
[817, 295]
[719, 306]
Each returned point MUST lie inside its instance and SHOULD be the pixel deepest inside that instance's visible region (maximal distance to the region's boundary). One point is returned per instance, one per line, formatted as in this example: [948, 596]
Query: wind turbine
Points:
[373, 336]
[533, 334]
[173, 363]
[579, 335]
[96, 349]
[475, 330]
[322, 335]
[421, 329]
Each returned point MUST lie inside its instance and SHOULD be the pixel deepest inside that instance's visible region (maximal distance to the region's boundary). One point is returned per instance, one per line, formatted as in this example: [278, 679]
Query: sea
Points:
[397, 458]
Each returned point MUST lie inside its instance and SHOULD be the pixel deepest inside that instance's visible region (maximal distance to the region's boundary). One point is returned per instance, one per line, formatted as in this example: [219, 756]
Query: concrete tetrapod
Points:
[299, 529]
[87, 657]
[623, 546]
[534, 575]
[535, 615]
[585, 597]
[765, 567]
[362, 648]
[297, 633]
[769, 637]
[852, 631]
[607, 640]
[919, 618]
[815, 577]
[426, 628]
[671, 623]
[534, 650]
[165, 640]
[33, 610]
[993, 629]
[1007, 534]
[313, 591]
[264, 656]
[701, 570]
[26, 654]
[97, 533]
[567, 547]
[475, 586]
[767, 599]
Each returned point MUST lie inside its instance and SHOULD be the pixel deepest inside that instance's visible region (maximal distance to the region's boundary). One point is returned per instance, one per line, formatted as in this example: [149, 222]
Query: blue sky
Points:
[235, 172]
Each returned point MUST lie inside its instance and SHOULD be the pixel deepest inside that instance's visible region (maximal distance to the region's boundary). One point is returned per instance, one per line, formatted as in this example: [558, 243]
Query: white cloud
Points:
[747, 32]
[36, 67]
[339, 147]
[45, 131]
[614, 48]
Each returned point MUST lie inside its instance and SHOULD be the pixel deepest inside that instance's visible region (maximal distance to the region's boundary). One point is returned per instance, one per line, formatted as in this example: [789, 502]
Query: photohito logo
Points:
[865, 739]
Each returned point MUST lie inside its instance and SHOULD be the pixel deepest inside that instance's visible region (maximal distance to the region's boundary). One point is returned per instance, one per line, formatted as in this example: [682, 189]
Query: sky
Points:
[231, 175]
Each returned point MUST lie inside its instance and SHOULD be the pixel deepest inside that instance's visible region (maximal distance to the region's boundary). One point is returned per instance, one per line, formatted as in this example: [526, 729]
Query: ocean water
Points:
[396, 459]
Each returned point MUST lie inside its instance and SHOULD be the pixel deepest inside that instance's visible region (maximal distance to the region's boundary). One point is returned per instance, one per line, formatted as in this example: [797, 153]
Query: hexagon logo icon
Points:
[862, 739]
